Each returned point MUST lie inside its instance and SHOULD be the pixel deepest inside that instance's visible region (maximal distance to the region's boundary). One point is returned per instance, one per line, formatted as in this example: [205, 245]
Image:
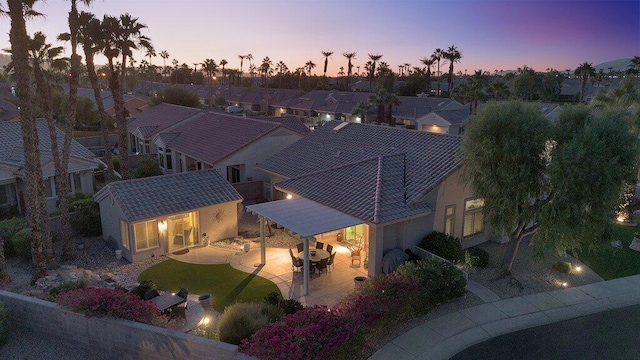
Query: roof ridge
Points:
[376, 203]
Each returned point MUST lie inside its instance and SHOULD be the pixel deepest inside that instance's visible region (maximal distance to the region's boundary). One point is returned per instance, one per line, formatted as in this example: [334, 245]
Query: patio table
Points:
[165, 301]
[320, 254]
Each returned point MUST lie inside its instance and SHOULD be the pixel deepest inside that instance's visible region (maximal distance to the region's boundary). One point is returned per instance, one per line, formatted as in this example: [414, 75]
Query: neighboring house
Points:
[157, 215]
[444, 121]
[320, 106]
[387, 187]
[230, 144]
[257, 100]
[550, 110]
[413, 109]
[82, 162]
[149, 123]
[134, 104]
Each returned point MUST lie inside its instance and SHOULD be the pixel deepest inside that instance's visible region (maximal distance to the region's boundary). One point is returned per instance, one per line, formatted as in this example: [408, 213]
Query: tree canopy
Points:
[178, 96]
[564, 177]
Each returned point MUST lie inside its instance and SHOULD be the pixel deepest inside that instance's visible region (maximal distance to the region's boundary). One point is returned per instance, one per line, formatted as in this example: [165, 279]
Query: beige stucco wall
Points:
[223, 226]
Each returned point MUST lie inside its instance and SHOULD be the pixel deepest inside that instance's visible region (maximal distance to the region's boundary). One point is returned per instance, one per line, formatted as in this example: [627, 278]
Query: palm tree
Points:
[150, 52]
[249, 57]
[634, 67]
[428, 62]
[361, 109]
[392, 99]
[4, 275]
[350, 56]
[210, 67]
[90, 36]
[326, 55]
[266, 69]
[374, 58]
[407, 68]
[164, 54]
[585, 71]
[241, 61]
[223, 63]
[282, 69]
[36, 206]
[453, 55]
[381, 98]
[437, 56]
[499, 90]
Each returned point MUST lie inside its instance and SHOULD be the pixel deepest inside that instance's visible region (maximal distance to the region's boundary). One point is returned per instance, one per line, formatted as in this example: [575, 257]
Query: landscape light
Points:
[289, 196]
[564, 284]
[578, 268]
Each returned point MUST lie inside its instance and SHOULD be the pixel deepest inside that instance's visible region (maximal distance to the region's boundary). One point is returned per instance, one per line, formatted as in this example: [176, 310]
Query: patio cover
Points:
[304, 217]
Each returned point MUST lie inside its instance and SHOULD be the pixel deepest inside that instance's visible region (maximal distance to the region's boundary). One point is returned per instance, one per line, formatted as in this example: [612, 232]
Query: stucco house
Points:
[157, 215]
[321, 106]
[444, 121]
[232, 145]
[413, 109]
[385, 187]
[82, 163]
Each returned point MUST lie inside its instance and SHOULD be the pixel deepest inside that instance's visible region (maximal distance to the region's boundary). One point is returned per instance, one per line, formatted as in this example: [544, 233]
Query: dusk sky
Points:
[490, 34]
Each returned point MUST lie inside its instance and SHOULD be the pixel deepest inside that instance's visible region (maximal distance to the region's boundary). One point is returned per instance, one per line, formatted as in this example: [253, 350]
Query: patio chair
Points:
[179, 310]
[355, 256]
[332, 258]
[151, 294]
[319, 245]
[183, 293]
[300, 247]
[329, 248]
[322, 266]
[296, 262]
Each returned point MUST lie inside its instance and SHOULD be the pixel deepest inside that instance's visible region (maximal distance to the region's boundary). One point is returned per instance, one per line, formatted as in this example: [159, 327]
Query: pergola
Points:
[302, 217]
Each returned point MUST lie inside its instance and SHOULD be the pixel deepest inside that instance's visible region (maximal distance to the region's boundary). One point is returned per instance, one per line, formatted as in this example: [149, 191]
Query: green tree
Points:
[566, 178]
[527, 84]
[372, 73]
[148, 167]
[361, 110]
[179, 96]
[634, 67]
[437, 55]
[453, 55]
[551, 86]
[584, 71]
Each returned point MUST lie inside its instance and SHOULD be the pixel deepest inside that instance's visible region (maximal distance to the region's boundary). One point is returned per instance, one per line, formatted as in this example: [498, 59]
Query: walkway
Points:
[445, 336]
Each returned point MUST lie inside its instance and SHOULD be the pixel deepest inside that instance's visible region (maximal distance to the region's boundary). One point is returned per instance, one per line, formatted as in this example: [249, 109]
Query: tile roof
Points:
[160, 117]
[375, 173]
[214, 136]
[454, 117]
[162, 195]
[291, 122]
[11, 145]
[338, 102]
[415, 107]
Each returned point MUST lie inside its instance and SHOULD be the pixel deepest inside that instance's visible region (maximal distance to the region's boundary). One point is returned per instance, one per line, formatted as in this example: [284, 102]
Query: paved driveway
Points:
[612, 334]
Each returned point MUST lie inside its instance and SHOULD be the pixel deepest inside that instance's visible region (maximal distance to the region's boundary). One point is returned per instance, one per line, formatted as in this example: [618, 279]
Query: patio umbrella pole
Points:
[306, 266]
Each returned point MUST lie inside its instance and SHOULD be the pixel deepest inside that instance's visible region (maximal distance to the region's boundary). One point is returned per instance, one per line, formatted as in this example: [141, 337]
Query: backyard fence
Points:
[424, 254]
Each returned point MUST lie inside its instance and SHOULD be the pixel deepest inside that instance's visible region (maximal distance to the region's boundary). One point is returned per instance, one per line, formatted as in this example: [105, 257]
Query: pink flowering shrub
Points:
[109, 302]
[311, 333]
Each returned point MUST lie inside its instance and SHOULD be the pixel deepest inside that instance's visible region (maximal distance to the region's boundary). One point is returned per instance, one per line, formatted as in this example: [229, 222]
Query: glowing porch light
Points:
[289, 196]
[578, 268]
[162, 225]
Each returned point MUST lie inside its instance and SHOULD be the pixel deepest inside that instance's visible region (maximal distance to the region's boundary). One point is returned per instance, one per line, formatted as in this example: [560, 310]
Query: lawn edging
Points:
[117, 337]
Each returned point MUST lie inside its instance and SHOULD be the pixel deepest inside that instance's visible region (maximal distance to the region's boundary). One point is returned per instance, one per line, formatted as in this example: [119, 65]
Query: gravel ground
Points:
[527, 277]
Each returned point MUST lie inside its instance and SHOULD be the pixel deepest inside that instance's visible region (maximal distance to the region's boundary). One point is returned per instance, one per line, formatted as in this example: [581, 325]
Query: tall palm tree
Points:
[326, 55]
[584, 71]
[428, 62]
[19, 40]
[266, 69]
[374, 58]
[380, 99]
[309, 65]
[210, 67]
[437, 56]
[453, 55]
[282, 69]
[249, 57]
[90, 36]
[223, 63]
[164, 54]
[350, 56]
[241, 61]
[499, 90]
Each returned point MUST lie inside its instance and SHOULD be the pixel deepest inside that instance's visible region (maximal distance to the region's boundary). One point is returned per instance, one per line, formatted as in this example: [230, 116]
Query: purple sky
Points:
[491, 35]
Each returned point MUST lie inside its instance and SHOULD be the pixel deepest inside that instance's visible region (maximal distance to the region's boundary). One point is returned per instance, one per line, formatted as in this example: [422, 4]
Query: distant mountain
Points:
[615, 65]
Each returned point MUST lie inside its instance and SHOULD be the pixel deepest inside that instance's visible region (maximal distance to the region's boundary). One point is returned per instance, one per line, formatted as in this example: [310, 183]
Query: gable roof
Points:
[160, 117]
[414, 107]
[12, 149]
[163, 195]
[375, 173]
[214, 136]
[338, 102]
[454, 117]
[290, 122]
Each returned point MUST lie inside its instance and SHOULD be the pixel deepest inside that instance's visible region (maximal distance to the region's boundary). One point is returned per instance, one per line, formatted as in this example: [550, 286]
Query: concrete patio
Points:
[324, 289]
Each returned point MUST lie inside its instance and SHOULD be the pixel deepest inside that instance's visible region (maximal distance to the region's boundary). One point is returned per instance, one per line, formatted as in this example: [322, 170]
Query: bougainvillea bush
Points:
[109, 302]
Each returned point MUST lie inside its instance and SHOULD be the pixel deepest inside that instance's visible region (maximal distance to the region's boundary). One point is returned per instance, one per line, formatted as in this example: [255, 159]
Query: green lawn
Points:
[612, 263]
[225, 284]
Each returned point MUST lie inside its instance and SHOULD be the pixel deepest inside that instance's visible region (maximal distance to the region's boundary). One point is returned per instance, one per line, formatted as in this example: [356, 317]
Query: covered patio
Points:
[302, 218]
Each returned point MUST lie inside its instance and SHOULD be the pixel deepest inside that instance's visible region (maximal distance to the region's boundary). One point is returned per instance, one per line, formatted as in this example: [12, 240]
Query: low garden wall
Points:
[119, 338]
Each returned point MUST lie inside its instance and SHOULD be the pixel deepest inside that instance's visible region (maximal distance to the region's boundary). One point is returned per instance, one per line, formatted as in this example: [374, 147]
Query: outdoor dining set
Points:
[168, 303]
[320, 259]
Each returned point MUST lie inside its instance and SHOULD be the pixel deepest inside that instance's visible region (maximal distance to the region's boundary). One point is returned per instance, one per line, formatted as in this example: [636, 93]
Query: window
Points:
[233, 174]
[49, 189]
[124, 234]
[75, 183]
[473, 217]
[146, 235]
[449, 216]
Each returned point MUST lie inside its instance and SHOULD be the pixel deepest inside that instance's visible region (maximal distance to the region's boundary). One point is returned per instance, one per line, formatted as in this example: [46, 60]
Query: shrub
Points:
[109, 302]
[148, 167]
[241, 320]
[437, 281]
[86, 220]
[288, 306]
[312, 333]
[443, 245]
[143, 288]
[78, 204]
[4, 324]
[563, 267]
[79, 195]
[21, 243]
[476, 257]
[116, 164]
[64, 287]
[8, 228]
